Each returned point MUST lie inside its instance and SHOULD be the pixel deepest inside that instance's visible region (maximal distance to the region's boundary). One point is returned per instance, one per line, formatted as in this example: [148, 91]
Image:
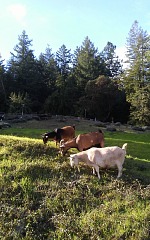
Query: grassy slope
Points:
[138, 152]
[138, 149]
[43, 198]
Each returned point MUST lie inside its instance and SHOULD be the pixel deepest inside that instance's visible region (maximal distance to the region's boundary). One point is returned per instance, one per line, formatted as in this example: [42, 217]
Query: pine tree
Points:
[87, 64]
[112, 62]
[136, 79]
[49, 69]
[3, 96]
[24, 73]
[64, 61]
[21, 63]
[57, 101]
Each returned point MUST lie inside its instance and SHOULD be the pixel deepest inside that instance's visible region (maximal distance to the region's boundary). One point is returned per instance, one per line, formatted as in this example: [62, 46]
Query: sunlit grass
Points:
[42, 197]
[138, 144]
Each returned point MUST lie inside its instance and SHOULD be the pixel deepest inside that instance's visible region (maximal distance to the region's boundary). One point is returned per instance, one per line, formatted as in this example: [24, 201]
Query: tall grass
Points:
[42, 197]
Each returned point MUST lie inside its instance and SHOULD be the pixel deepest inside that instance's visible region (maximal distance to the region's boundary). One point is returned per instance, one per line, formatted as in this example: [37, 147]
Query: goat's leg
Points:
[80, 148]
[97, 170]
[119, 166]
[95, 167]
[93, 171]
[78, 168]
[102, 144]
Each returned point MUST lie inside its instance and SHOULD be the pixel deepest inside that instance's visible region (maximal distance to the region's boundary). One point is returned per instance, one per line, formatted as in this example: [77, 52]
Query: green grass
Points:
[23, 132]
[42, 197]
[138, 144]
[138, 150]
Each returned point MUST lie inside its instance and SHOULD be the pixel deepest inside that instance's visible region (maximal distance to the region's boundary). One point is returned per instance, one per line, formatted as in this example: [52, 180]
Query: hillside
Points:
[42, 197]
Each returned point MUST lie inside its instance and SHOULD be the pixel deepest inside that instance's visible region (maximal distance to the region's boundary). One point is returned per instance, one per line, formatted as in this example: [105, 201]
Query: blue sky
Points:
[58, 22]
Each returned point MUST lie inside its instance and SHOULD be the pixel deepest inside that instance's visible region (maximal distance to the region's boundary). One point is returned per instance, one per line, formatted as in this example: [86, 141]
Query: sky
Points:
[68, 22]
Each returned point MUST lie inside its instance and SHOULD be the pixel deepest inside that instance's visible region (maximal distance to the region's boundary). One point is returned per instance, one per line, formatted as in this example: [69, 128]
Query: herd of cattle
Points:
[91, 149]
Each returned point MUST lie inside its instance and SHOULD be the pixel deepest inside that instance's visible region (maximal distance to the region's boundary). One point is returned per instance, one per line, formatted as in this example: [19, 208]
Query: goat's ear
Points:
[62, 141]
[55, 130]
[61, 144]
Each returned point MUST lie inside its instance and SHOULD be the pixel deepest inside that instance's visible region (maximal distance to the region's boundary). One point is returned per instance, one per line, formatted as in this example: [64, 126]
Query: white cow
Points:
[107, 157]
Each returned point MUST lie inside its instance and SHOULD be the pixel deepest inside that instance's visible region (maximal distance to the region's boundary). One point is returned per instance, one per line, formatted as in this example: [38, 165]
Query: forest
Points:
[86, 83]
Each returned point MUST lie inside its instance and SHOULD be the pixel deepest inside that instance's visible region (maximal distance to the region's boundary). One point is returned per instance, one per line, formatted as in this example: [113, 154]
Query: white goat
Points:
[107, 157]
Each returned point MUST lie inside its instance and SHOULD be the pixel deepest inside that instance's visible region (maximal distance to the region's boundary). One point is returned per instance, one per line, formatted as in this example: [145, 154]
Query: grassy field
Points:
[42, 197]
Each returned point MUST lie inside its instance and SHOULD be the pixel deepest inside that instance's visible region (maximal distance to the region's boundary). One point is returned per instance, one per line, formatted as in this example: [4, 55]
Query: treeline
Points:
[87, 83]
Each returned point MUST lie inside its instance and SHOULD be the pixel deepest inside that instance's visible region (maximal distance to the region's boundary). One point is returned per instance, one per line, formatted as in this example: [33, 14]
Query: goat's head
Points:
[62, 143]
[74, 161]
[45, 138]
[49, 135]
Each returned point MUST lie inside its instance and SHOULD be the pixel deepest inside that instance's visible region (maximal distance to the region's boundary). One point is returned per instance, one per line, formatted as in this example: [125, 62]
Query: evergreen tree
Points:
[3, 96]
[24, 73]
[49, 69]
[87, 64]
[112, 62]
[58, 101]
[136, 78]
[21, 63]
[64, 61]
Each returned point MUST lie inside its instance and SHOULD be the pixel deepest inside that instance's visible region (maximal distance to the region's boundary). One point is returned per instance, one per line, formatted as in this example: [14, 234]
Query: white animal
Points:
[107, 157]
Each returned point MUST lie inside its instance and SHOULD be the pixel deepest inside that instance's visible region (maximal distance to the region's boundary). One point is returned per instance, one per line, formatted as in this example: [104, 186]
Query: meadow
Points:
[42, 197]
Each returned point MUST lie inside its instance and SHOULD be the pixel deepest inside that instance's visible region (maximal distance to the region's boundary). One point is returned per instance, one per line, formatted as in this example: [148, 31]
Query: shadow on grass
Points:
[137, 169]
[60, 170]
[133, 169]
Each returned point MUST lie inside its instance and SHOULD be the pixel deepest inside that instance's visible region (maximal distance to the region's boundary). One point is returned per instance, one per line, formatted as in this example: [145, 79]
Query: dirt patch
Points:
[81, 124]
[50, 124]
